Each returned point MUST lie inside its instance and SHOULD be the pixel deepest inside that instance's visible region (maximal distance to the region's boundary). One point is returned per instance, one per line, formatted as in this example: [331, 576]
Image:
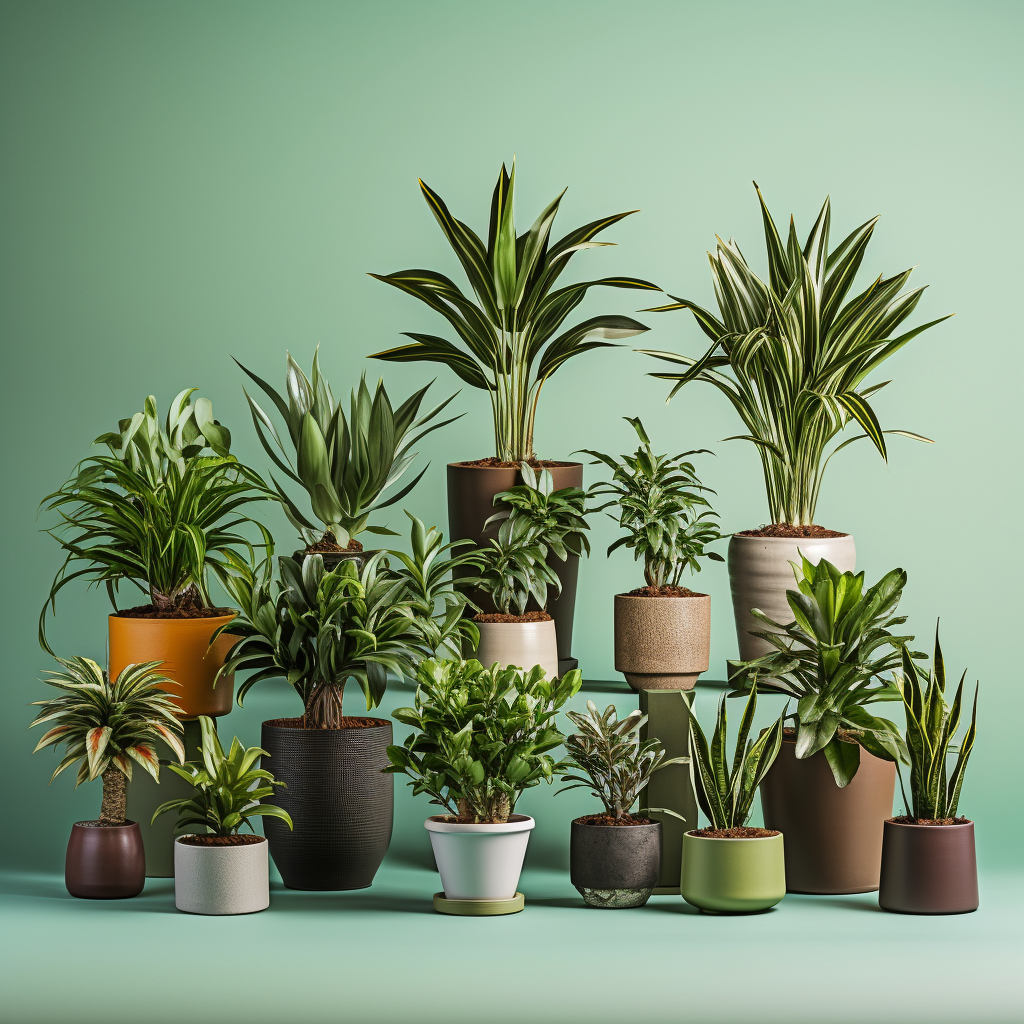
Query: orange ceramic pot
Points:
[183, 647]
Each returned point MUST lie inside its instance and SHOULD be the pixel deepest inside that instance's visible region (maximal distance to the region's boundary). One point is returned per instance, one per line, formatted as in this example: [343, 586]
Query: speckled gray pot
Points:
[615, 866]
[221, 879]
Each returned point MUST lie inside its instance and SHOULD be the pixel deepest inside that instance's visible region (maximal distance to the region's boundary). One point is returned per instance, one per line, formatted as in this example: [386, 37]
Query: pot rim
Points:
[648, 598]
[535, 624]
[269, 724]
[930, 828]
[576, 823]
[562, 464]
[241, 846]
[790, 540]
[516, 823]
[92, 823]
[734, 839]
[218, 619]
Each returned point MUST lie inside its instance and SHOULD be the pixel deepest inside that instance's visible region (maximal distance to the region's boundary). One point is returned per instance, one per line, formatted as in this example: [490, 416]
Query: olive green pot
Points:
[738, 876]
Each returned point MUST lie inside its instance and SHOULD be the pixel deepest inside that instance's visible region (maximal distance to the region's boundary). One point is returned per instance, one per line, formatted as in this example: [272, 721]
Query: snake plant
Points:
[792, 353]
[507, 332]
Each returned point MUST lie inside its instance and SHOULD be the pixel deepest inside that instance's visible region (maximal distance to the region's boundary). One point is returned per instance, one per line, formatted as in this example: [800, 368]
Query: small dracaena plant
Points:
[228, 787]
[615, 762]
[725, 793]
[106, 726]
[931, 733]
[514, 568]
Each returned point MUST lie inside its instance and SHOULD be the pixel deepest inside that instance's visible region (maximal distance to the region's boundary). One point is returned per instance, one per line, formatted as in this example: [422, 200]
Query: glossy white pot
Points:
[221, 879]
[479, 862]
[523, 644]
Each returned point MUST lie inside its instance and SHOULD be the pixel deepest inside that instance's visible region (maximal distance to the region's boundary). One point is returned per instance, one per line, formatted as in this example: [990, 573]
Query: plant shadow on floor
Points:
[308, 901]
[844, 904]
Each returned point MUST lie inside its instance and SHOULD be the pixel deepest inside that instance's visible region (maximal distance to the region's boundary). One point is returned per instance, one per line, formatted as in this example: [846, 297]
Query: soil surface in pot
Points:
[505, 617]
[607, 819]
[666, 591]
[235, 840]
[740, 832]
[789, 530]
[104, 824]
[492, 462]
[327, 545]
[904, 819]
[147, 611]
[347, 722]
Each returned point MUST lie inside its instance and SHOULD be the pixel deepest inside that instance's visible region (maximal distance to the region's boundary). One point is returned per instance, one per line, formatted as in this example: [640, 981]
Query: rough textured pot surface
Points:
[340, 802]
[105, 862]
[221, 879]
[760, 573]
[471, 491]
[833, 835]
[662, 643]
[615, 866]
[733, 875]
[524, 644]
[928, 869]
[479, 862]
[183, 646]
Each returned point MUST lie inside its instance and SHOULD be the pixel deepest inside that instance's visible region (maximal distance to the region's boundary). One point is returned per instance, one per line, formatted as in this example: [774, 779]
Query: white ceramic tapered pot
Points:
[662, 643]
[221, 879]
[523, 644]
[479, 862]
[761, 571]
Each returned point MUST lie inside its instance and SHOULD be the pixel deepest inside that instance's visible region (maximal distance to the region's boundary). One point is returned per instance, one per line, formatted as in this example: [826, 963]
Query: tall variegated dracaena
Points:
[792, 354]
[509, 347]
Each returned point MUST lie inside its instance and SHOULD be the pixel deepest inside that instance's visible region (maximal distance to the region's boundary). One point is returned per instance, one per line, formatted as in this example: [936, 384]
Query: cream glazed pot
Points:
[479, 862]
[662, 643]
[523, 644]
[760, 573]
[221, 879]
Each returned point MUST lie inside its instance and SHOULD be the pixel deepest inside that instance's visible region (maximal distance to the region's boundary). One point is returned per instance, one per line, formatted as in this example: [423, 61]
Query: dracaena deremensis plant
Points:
[509, 346]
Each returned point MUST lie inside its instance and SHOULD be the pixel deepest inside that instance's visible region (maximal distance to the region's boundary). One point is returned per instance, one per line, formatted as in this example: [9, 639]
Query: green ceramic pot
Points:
[733, 875]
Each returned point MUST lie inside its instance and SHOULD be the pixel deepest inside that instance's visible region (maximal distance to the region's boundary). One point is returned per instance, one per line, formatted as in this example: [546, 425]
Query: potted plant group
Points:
[221, 870]
[663, 629]
[928, 858]
[792, 354]
[614, 857]
[729, 866]
[832, 786]
[483, 736]
[106, 726]
[344, 464]
[512, 341]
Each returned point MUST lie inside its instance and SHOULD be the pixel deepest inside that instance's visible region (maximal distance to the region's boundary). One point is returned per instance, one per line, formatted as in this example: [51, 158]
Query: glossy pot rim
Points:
[90, 823]
[214, 620]
[516, 823]
[545, 464]
[955, 827]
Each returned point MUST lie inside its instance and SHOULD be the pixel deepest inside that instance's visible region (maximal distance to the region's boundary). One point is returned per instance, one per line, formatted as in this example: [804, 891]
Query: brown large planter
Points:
[471, 491]
[928, 869]
[183, 648]
[833, 835]
[662, 643]
[105, 862]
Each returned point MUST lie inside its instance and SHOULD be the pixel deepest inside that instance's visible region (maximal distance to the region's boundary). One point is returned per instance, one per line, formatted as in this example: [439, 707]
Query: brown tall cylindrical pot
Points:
[471, 491]
[662, 643]
[105, 862]
[928, 869]
[833, 836]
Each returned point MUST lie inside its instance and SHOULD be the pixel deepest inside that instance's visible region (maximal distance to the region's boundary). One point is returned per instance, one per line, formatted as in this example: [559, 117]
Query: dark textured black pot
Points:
[615, 866]
[340, 801]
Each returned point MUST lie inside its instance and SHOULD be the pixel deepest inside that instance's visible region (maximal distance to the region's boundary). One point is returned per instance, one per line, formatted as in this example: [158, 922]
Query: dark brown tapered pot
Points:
[833, 836]
[928, 869]
[471, 491]
[105, 862]
[340, 801]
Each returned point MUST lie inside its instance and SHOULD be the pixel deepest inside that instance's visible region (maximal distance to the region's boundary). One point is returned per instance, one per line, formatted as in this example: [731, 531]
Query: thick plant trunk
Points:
[189, 598]
[324, 710]
[115, 797]
[491, 809]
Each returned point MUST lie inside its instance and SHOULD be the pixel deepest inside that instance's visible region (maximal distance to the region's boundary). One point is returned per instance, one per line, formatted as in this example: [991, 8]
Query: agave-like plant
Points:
[106, 726]
[343, 464]
[508, 332]
[792, 353]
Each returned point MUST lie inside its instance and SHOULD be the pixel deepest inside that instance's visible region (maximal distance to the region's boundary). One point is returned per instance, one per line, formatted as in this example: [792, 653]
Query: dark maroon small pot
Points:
[105, 862]
[928, 869]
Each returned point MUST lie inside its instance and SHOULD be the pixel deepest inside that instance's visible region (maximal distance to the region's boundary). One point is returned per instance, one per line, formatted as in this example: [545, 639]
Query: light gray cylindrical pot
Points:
[221, 879]
[523, 644]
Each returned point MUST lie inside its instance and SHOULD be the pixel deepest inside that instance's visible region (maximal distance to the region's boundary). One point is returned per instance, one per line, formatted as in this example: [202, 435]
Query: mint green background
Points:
[182, 182]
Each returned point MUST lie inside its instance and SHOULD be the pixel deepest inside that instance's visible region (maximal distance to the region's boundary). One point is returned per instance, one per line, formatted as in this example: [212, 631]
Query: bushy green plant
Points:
[726, 793]
[792, 354]
[106, 726]
[228, 787]
[157, 511]
[344, 464]
[657, 500]
[931, 738]
[833, 659]
[508, 332]
[615, 763]
[482, 735]
[514, 567]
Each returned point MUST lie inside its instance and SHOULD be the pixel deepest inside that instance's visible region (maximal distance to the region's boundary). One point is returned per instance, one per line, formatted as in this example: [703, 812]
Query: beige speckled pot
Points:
[662, 643]
[523, 644]
[760, 573]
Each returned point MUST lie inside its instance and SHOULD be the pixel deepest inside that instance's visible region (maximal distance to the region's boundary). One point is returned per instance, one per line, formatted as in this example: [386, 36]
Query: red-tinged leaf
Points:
[52, 736]
[171, 738]
[95, 745]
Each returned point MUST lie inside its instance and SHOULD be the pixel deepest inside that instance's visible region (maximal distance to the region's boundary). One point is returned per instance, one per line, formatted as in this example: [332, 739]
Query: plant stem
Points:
[324, 709]
[115, 797]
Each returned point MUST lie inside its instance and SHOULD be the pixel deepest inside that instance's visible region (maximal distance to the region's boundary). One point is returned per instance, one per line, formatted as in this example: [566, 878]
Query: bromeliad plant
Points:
[833, 659]
[508, 332]
[343, 464]
[482, 737]
[228, 788]
[931, 735]
[157, 511]
[106, 726]
[514, 568]
[725, 793]
[657, 498]
[792, 354]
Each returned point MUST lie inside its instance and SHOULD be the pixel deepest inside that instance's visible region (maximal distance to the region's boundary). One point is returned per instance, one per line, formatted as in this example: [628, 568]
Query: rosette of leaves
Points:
[105, 726]
[482, 737]
[509, 344]
[514, 568]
